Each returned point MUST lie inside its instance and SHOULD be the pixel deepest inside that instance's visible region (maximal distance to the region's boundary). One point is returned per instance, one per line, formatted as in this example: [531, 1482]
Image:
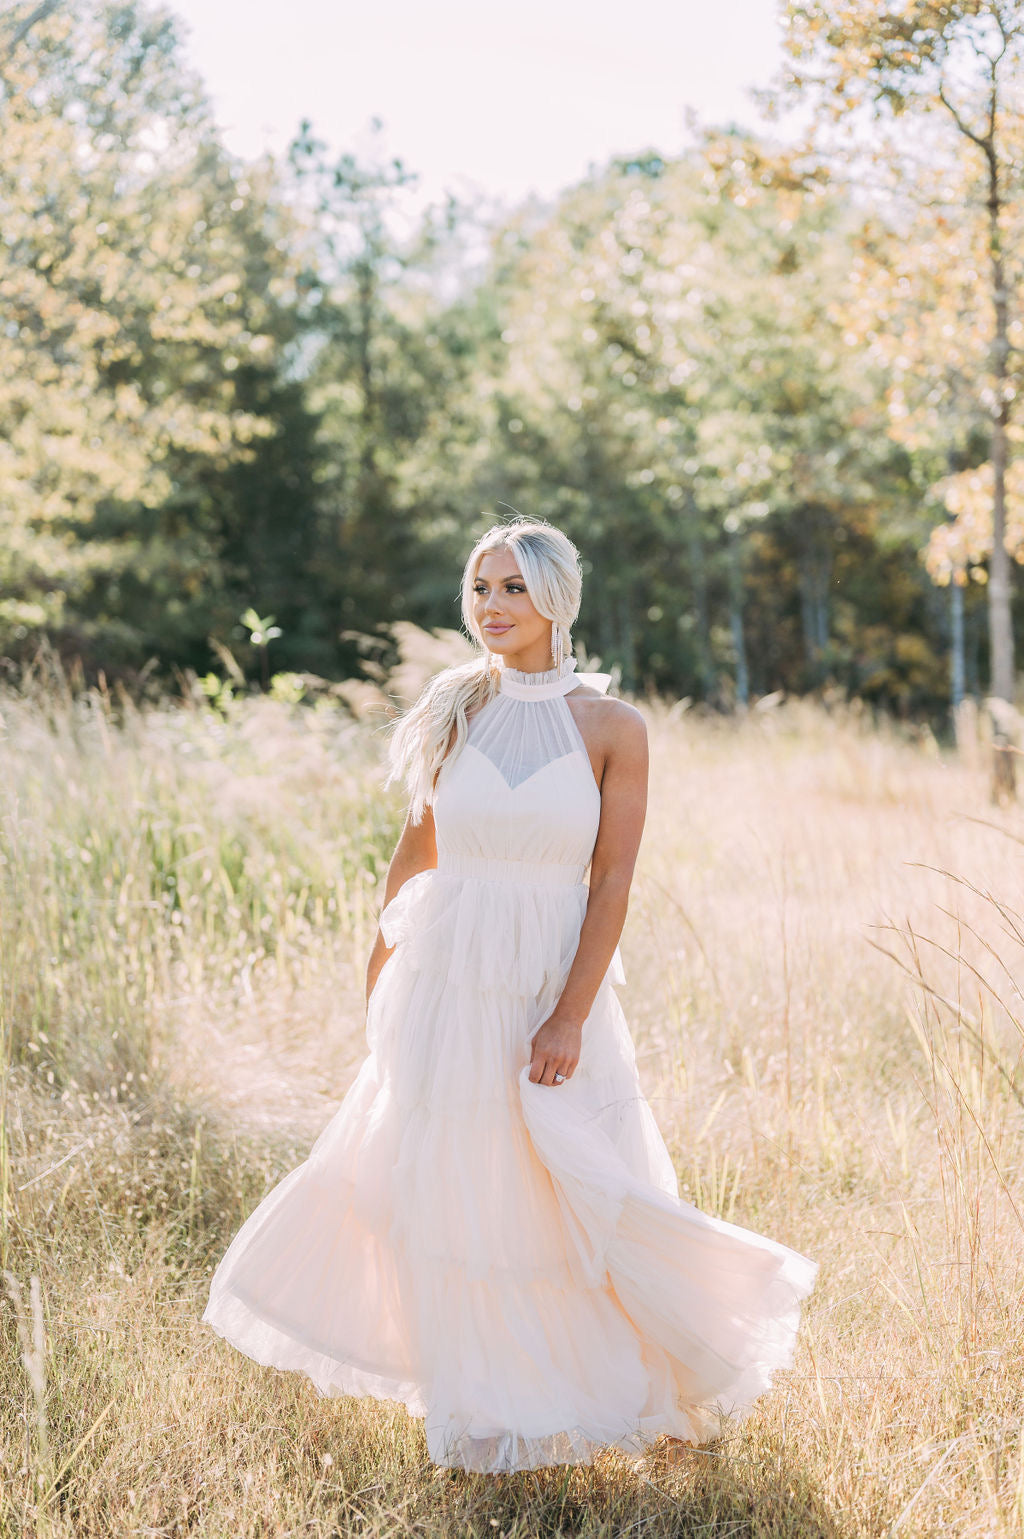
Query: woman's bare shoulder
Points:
[615, 723]
[628, 726]
[612, 706]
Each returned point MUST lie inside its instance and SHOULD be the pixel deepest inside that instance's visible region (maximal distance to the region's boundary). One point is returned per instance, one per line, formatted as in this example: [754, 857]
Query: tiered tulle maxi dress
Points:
[511, 1261]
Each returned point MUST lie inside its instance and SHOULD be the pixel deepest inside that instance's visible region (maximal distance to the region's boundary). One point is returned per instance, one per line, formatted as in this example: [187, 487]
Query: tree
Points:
[952, 70]
[677, 391]
[130, 320]
[159, 468]
[386, 369]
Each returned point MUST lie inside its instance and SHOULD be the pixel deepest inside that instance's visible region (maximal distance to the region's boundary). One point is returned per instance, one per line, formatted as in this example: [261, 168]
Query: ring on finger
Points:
[558, 1077]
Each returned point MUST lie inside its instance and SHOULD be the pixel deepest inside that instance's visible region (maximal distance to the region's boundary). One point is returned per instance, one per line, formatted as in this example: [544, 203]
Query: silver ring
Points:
[558, 1077]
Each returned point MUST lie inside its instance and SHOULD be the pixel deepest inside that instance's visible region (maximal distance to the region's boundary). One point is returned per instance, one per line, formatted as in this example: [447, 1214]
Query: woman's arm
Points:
[415, 851]
[556, 1045]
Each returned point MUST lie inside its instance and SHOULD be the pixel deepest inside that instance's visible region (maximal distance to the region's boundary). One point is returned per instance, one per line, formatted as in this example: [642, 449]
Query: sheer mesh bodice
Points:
[521, 794]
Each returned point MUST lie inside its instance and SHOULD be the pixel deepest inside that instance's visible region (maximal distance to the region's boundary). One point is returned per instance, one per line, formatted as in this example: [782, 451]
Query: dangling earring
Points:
[557, 649]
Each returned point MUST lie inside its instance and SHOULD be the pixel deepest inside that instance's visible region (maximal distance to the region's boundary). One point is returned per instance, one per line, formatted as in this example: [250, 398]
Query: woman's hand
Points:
[556, 1050]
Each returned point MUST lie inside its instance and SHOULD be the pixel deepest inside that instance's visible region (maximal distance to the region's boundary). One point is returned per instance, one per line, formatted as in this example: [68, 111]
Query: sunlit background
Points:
[504, 99]
[299, 298]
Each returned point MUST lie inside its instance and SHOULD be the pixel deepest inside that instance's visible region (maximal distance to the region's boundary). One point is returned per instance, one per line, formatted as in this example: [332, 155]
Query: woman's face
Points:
[504, 612]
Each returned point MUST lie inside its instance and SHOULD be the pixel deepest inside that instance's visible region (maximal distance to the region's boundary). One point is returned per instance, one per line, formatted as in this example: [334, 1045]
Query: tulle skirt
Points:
[511, 1261]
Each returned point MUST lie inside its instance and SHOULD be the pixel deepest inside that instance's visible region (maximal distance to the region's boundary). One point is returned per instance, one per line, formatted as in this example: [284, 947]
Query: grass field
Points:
[824, 958]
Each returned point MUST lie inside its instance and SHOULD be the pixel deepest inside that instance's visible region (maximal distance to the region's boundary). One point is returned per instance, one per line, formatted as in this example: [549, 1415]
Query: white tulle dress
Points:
[511, 1261]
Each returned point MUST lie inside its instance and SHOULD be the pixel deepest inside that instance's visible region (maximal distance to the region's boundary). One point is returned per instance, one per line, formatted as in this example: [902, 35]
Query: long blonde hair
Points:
[436, 726]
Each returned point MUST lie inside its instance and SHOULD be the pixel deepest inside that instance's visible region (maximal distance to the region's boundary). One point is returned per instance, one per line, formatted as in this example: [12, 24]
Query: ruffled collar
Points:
[546, 685]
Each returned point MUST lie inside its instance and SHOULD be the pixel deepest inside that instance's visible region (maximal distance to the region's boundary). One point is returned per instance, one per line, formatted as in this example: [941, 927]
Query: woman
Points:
[489, 1229]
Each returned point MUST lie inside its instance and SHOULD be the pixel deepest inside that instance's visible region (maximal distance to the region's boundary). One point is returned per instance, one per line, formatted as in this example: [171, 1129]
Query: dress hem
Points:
[505, 1453]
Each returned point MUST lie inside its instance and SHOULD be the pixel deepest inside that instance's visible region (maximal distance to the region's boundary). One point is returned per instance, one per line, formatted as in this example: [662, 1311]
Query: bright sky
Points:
[505, 98]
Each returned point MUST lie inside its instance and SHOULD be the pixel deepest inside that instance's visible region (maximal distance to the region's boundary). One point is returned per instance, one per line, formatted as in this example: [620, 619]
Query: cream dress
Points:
[511, 1261]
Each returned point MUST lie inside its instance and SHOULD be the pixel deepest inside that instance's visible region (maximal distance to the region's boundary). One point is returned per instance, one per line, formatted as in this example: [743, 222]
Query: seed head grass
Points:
[824, 954]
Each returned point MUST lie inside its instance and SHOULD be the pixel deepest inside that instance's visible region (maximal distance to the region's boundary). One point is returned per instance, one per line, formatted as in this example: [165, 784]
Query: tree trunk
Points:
[366, 298]
[739, 642]
[807, 622]
[628, 640]
[1000, 616]
[822, 606]
[1000, 626]
[815, 574]
[698, 568]
[815, 562]
[973, 627]
[597, 583]
[31, 20]
[957, 656]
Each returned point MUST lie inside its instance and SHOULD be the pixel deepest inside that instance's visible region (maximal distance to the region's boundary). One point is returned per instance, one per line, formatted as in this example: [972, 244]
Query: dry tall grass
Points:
[187, 903]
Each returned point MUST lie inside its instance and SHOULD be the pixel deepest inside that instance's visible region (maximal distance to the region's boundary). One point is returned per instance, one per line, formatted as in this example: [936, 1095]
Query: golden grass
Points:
[186, 903]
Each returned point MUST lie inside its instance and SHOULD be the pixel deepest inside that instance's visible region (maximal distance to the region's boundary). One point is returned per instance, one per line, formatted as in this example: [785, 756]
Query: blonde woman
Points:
[489, 1229]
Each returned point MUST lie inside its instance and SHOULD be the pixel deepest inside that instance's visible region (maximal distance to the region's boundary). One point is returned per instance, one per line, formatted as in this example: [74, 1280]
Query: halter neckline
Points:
[546, 685]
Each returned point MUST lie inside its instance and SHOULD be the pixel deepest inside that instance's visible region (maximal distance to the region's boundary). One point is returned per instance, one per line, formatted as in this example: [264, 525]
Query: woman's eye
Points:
[515, 588]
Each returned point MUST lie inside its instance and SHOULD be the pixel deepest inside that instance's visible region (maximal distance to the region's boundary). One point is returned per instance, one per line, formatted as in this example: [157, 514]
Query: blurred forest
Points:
[251, 413]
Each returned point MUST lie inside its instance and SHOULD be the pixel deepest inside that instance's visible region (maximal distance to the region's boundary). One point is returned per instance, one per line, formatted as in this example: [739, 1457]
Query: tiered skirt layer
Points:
[511, 1261]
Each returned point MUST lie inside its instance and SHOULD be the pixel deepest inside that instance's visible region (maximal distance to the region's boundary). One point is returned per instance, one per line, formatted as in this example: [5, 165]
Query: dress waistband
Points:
[542, 873]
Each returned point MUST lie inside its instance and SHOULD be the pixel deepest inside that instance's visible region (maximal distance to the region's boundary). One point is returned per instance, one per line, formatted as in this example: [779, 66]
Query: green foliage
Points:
[940, 271]
[251, 413]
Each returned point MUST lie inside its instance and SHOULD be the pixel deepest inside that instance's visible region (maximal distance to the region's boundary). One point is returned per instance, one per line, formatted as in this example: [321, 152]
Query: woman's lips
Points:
[497, 629]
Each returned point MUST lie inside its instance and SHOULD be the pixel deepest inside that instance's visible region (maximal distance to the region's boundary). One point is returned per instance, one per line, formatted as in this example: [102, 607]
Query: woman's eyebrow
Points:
[514, 578]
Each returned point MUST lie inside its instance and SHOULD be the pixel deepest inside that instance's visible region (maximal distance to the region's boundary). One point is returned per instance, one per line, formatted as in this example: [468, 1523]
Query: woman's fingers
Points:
[544, 1069]
[554, 1050]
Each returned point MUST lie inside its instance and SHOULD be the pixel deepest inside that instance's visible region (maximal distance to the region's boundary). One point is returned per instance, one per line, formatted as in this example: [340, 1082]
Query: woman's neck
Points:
[529, 662]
